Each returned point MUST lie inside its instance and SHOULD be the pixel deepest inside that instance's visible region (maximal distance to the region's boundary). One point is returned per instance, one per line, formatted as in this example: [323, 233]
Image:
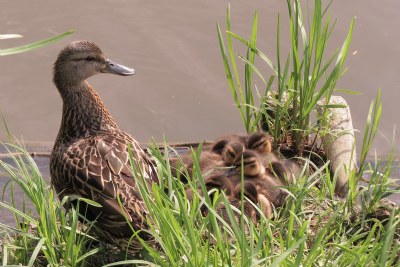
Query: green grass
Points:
[313, 228]
[47, 232]
[302, 78]
[31, 46]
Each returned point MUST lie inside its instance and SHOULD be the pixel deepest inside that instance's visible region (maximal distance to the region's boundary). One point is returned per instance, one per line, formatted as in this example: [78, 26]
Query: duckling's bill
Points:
[114, 68]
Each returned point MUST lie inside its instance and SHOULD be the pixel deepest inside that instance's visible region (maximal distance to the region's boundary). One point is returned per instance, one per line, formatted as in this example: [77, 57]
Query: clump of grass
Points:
[48, 233]
[312, 228]
[301, 79]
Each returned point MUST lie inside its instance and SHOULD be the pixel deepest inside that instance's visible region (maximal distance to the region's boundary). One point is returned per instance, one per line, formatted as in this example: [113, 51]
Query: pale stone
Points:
[339, 142]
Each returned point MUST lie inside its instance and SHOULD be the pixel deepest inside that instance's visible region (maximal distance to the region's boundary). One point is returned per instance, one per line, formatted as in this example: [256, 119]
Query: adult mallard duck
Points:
[90, 157]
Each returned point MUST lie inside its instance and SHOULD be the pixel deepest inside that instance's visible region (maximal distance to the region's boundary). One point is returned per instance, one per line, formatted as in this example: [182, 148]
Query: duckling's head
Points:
[82, 59]
[221, 143]
[219, 182]
[232, 152]
[249, 191]
[252, 163]
[261, 142]
[254, 195]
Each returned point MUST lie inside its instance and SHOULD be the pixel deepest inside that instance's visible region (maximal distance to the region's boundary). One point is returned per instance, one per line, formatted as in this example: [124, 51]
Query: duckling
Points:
[262, 143]
[232, 192]
[284, 169]
[266, 183]
[209, 163]
[221, 142]
[232, 146]
[90, 157]
[251, 192]
[252, 164]
[232, 152]
[217, 181]
[220, 182]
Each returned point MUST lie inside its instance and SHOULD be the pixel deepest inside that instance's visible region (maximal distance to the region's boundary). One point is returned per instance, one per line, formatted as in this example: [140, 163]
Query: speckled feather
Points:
[90, 157]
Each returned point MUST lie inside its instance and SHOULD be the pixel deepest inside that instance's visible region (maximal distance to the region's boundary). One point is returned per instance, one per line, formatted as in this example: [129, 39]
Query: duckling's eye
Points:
[90, 59]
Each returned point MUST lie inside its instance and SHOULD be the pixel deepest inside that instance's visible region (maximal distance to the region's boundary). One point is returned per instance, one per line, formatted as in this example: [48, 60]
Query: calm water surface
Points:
[179, 89]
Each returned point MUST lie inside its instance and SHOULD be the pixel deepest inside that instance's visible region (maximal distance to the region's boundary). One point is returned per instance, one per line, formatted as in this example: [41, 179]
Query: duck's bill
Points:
[114, 68]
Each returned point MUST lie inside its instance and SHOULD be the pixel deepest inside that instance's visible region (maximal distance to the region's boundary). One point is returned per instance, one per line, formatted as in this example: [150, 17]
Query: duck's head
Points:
[261, 142]
[82, 59]
[252, 163]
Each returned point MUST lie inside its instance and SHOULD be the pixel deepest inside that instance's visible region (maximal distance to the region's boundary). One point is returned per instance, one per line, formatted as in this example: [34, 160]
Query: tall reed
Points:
[302, 78]
[31, 46]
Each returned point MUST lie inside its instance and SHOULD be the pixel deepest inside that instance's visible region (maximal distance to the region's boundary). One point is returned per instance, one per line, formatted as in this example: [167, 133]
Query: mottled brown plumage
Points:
[265, 175]
[267, 183]
[230, 147]
[90, 157]
[209, 163]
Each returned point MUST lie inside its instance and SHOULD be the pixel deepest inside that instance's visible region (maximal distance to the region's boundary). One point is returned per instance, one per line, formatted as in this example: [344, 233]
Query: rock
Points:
[339, 142]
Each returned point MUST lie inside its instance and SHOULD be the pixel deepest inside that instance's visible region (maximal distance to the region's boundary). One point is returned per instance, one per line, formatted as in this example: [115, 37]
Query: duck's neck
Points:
[83, 113]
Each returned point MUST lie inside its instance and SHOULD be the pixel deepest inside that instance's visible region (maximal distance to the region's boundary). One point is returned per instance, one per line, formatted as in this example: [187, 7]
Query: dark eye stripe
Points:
[259, 143]
[249, 161]
[231, 153]
[85, 59]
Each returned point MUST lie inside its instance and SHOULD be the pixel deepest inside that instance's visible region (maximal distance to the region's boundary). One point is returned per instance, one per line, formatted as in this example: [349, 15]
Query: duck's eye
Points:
[90, 59]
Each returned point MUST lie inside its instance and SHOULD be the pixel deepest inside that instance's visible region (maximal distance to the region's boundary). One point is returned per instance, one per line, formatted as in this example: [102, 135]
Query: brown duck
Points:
[90, 157]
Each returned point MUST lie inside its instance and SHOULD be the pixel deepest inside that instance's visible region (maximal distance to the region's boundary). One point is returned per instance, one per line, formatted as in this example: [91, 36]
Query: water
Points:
[179, 89]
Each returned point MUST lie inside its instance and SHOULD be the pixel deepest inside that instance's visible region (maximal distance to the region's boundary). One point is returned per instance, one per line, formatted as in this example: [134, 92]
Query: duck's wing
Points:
[99, 169]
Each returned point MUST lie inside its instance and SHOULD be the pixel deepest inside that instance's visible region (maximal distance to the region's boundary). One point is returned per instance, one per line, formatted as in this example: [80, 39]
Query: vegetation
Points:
[31, 46]
[47, 233]
[314, 228]
[301, 79]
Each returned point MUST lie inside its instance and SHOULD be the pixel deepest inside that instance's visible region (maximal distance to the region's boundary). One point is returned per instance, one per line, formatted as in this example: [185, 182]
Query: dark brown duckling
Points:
[230, 147]
[218, 181]
[262, 143]
[232, 192]
[255, 172]
[252, 163]
[284, 169]
[221, 142]
[90, 157]
[251, 192]
[232, 152]
[232, 188]
[210, 163]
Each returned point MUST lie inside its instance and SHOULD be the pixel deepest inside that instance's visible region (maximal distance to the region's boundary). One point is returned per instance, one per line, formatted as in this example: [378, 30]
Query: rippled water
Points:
[179, 89]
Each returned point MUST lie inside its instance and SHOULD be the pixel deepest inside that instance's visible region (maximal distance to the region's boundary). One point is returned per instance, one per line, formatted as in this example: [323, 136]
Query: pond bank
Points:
[40, 152]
